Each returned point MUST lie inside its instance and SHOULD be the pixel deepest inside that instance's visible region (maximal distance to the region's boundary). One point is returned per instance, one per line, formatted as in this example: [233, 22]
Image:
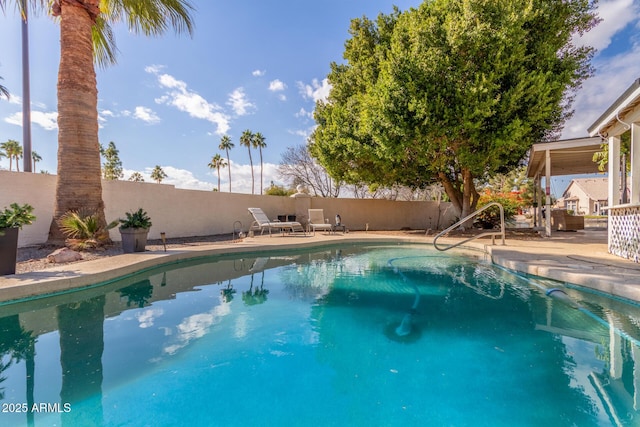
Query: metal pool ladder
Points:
[493, 234]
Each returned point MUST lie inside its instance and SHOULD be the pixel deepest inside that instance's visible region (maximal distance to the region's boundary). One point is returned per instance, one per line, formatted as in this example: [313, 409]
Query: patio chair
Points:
[317, 221]
[262, 222]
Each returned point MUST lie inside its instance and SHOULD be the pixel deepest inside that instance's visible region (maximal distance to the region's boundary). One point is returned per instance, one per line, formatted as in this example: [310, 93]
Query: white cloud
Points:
[282, 97]
[303, 133]
[277, 86]
[259, 73]
[48, 121]
[316, 90]
[181, 97]
[241, 177]
[154, 68]
[196, 326]
[613, 76]
[13, 99]
[146, 115]
[304, 114]
[147, 317]
[616, 15]
[239, 102]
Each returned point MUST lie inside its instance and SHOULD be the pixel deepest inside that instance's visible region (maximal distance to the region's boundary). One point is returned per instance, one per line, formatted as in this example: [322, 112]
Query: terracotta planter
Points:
[8, 251]
[134, 239]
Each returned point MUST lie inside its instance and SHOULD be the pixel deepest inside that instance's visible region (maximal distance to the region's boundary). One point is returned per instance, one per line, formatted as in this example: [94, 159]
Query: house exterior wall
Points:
[577, 200]
[183, 213]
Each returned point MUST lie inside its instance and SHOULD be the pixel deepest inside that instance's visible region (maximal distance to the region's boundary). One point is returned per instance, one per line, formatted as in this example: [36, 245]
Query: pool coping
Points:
[560, 261]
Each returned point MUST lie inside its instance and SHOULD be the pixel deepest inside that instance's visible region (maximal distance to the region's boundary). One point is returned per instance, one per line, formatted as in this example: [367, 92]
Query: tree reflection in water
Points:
[81, 347]
[17, 344]
[227, 293]
[138, 294]
[257, 295]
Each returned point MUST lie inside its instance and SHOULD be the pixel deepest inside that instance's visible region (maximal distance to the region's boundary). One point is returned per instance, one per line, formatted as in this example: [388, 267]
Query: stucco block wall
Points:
[36, 189]
[183, 213]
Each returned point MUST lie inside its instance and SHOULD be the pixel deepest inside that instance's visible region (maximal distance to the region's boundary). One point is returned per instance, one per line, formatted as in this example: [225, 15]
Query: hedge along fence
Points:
[184, 213]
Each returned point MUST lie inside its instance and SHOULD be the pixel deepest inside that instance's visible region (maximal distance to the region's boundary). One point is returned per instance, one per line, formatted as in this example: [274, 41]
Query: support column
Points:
[635, 164]
[614, 181]
[614, 170]
[547, 192]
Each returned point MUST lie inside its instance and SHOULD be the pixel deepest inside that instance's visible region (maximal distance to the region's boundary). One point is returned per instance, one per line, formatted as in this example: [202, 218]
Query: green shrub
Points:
[15, 216]
[490, 218]
[83, 230]
[137, 219]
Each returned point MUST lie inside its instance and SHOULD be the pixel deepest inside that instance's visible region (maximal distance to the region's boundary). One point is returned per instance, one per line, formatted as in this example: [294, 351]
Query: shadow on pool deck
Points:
[579, 258]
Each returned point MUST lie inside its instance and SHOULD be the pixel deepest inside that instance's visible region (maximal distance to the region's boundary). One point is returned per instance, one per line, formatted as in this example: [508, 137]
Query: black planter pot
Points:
[134, 239]
[8, 251]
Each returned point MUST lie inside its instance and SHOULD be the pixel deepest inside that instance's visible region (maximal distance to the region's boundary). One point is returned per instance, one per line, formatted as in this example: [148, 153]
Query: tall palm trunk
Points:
[79, 179]
[229, 163]
[253, 180]
[261, 169]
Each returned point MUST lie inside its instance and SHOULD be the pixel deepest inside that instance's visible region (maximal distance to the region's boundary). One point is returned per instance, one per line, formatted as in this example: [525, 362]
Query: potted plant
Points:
[134, 230]
[11, 220]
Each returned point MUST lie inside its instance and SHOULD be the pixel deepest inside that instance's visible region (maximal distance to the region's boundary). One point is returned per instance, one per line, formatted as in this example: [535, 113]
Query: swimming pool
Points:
[352, 335]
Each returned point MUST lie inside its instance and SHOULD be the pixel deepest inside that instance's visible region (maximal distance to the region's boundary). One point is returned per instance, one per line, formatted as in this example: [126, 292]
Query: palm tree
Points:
[12, 149]
[259, 142]
[136, 177]
[217, 162]
[35, 157]
[157, 174]
[226, 145]
[4, 91]
[246, 140]
[86, 36]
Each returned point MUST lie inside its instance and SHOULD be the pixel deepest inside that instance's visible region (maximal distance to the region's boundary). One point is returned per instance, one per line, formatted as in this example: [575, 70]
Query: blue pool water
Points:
[357, 336]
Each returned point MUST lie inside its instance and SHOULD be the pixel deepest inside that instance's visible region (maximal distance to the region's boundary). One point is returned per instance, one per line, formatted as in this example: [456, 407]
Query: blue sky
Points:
[250, 65]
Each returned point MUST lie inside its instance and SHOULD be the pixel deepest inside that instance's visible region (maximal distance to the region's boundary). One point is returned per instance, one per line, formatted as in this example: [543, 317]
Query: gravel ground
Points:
[34, 258]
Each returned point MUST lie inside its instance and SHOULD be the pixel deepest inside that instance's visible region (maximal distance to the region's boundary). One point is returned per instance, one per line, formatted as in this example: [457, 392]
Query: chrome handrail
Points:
[493, 234]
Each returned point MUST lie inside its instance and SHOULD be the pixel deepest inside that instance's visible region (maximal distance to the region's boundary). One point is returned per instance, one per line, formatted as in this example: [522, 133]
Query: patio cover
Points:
[567, 157]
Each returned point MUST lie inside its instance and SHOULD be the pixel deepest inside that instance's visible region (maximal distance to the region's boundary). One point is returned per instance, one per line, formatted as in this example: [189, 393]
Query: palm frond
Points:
[151, 17]
[4, 91]
[104, 43]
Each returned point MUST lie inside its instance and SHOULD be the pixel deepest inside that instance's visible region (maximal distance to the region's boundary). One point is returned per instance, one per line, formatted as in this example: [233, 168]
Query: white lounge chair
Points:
[317, 221]
[262, 222]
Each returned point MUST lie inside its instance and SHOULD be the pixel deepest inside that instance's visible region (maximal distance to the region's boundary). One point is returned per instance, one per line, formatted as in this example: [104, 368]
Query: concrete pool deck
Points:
[579, 258]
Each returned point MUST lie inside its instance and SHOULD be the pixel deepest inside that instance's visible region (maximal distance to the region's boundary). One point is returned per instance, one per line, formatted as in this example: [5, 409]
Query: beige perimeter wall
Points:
[182, 213]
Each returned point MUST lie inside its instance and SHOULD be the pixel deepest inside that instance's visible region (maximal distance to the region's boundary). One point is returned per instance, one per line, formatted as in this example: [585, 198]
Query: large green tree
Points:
[112, 167]
[86, 39]
[451, 91]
